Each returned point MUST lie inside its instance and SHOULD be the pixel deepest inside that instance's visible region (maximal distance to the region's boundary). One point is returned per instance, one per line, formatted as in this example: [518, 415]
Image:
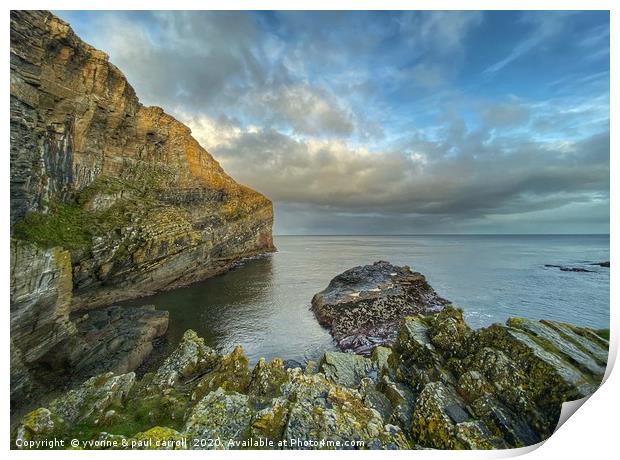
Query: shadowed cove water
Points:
[264, 304]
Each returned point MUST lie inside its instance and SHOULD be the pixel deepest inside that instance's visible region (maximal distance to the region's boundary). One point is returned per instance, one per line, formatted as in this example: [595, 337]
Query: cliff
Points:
[109, 199]
[441, 385]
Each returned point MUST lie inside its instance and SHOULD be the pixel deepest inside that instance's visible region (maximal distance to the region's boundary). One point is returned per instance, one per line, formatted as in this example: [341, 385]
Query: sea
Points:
[264, 303]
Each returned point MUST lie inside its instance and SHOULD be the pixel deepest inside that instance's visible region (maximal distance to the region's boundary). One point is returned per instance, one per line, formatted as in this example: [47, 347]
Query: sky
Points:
[387, 122]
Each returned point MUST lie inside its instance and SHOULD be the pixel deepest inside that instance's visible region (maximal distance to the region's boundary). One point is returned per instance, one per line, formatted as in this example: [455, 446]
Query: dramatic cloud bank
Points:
[450, 122]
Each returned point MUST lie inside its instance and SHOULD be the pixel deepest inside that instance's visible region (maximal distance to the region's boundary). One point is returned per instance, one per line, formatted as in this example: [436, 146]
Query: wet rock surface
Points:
[583, 267]
[441, 385]
[363, 306]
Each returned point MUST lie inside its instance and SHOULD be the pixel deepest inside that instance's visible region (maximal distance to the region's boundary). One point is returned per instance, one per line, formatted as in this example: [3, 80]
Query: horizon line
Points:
[442, 234]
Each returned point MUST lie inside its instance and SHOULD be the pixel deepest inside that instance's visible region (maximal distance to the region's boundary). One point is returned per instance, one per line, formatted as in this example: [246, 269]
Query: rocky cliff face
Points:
[126, 188]
[109, 199]
[442, 385]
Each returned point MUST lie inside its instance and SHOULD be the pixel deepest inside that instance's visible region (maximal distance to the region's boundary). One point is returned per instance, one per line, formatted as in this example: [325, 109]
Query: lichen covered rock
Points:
[188, 360]
[220, 415]
[92, 399]
[501, 387]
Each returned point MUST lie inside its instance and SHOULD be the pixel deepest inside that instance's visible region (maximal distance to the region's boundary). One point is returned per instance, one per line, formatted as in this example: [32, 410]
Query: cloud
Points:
[505, 114]
[428, 180]
[381, 121]
[441, 31]
[305, 109]
[543, 26]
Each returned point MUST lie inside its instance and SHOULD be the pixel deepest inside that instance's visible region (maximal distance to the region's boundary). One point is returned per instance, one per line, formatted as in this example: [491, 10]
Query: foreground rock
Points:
[441, 385]
[50, 346]
[109, 199]
[117, 339]
[363, 306]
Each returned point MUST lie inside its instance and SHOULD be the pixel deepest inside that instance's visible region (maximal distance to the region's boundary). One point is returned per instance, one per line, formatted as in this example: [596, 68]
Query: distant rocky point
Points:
[363, 306]
[602, 264]
[565, 268]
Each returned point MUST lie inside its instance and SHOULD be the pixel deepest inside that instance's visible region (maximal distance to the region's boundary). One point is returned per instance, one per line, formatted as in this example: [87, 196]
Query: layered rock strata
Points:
[363, 306]
[50, 346]
[125, 188]
[441, 385]
[109, 199]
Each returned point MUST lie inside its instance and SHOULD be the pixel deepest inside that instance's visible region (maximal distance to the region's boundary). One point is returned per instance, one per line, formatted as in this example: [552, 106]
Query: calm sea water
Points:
[264, 304]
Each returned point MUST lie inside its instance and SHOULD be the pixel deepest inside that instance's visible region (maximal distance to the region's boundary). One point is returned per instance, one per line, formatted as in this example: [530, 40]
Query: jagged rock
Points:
[437, 413]
[116, 339]
[48, 345]
[554, 339]
[270, 422]
[190, 359]
[363, 306]
[345, 369]
[93, 398]
[37, 423]
[380, 357]
[231, 372]
[267, 378]
[40, 294]
[402, 401]
[40, 306]
[312, 367]
[585, 339]
[570, 269]
[321, 410]
[504, 422]
[602, 264]
[472, 385]
[220, 415]
[375, 399]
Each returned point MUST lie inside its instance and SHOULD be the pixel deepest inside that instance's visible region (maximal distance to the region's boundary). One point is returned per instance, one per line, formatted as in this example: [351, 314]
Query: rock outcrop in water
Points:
[441, 385]
[363, 306]
[109, 199]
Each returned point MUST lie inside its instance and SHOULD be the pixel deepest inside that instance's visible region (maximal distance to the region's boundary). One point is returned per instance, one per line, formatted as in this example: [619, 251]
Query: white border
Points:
[591, 434]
